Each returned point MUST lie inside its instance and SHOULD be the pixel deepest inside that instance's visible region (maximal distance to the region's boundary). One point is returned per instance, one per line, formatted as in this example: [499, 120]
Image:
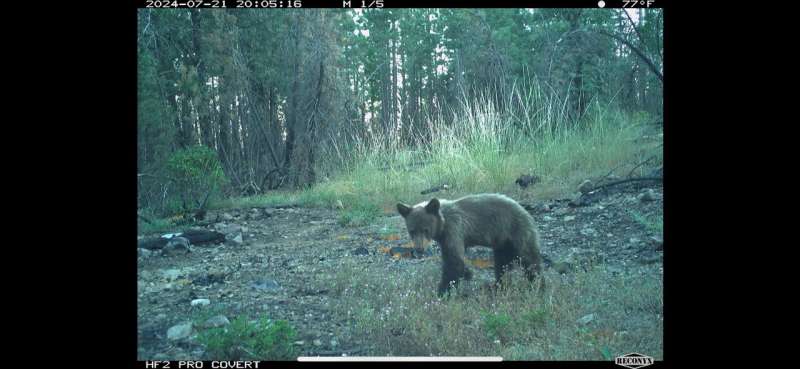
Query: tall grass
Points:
[485, 148]
[477, 146]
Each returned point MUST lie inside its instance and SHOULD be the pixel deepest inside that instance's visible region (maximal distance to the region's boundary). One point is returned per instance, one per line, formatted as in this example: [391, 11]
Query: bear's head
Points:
[424, 222]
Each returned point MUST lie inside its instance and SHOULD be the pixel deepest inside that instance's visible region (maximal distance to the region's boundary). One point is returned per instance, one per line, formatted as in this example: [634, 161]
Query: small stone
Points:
[180, 331]
[585, 186]
[176, 246]
[145, 253]
[334, 343]
[201, 302]
[299, 343]
[586, 318]
[648, 195]
[171, 274]
[548, 218]
[569, 218]
[216, 321]
[658, 242]
[339, 205]
[588, 231]
[238, 239]
[227, 216]
[633, 240]
[361, 251]
[317, 342]
[266, 285]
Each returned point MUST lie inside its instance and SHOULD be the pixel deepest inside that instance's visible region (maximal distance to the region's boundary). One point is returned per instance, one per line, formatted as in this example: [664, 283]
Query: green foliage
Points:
[245, 340]
[196, 172]
[359, 213]
[496, 325]
[535, 318]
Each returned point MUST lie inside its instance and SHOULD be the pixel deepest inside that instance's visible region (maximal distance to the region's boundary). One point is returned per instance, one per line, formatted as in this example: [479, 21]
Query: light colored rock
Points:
[201, 302]
[171, 274]
[180, 331]
[216, 321]
[585, 186]
[586, 319]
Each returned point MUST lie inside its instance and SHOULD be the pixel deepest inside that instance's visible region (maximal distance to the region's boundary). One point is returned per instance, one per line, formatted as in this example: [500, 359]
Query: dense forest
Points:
[242, 102]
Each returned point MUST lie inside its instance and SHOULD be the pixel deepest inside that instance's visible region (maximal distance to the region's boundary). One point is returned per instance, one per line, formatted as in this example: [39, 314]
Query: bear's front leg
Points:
[453, 266]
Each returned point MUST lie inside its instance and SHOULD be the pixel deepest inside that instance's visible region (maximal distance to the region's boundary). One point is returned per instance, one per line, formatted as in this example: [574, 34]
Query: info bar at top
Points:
[399, 358]
[377, 4]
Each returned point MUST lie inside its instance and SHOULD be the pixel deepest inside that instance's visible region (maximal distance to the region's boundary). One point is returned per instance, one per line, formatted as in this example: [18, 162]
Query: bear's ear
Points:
[403, 209]
[433, 206]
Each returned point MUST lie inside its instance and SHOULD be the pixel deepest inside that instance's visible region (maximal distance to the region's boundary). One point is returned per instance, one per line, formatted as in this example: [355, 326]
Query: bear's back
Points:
[486, 218]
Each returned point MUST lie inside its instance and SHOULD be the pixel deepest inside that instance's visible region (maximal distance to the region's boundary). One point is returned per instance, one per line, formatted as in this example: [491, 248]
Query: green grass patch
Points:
[360, 213]
[243, 339]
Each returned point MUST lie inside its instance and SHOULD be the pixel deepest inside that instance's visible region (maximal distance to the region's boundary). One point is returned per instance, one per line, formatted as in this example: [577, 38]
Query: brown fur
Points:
[491, 220]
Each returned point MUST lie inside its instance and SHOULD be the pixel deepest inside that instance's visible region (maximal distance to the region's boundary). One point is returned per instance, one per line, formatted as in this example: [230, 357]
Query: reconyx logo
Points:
[633, 360]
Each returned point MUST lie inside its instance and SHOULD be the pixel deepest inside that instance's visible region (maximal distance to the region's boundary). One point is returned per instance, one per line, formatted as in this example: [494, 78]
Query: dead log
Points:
[195, 237]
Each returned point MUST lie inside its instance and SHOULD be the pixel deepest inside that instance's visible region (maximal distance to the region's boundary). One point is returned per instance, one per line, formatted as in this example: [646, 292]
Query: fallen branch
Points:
[639, 179]
[639, 165]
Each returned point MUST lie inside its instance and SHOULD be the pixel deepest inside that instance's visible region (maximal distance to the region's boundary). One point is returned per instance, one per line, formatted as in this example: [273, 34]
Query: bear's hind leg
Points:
[503, 257]
[530, 258]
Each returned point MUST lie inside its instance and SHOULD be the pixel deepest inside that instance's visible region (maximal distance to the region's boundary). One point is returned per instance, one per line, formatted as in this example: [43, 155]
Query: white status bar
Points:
[399, 358]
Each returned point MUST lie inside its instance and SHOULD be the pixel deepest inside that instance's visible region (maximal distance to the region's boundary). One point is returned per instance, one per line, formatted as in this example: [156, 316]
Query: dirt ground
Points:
[287, 257]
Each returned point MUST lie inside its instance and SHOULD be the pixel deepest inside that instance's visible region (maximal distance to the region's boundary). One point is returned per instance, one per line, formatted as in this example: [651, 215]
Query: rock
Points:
[227, 216]
[588, 231]
[238, 240]
[360, 251]
[334, 343]
[180, 331]
[317, 342]
[145, 253]
[646, 196]
[585, 186]
[569, 218]
[544, 208]
[216, 321]
[229, 230]
[299, 343]
[658, 243]
[561, 211]
[548, 218]
[200, 302]
[176, 246]
[633, 240]
[580, 199]
[171, 274]
[339, 205]
[586, 319]
[266, 285]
